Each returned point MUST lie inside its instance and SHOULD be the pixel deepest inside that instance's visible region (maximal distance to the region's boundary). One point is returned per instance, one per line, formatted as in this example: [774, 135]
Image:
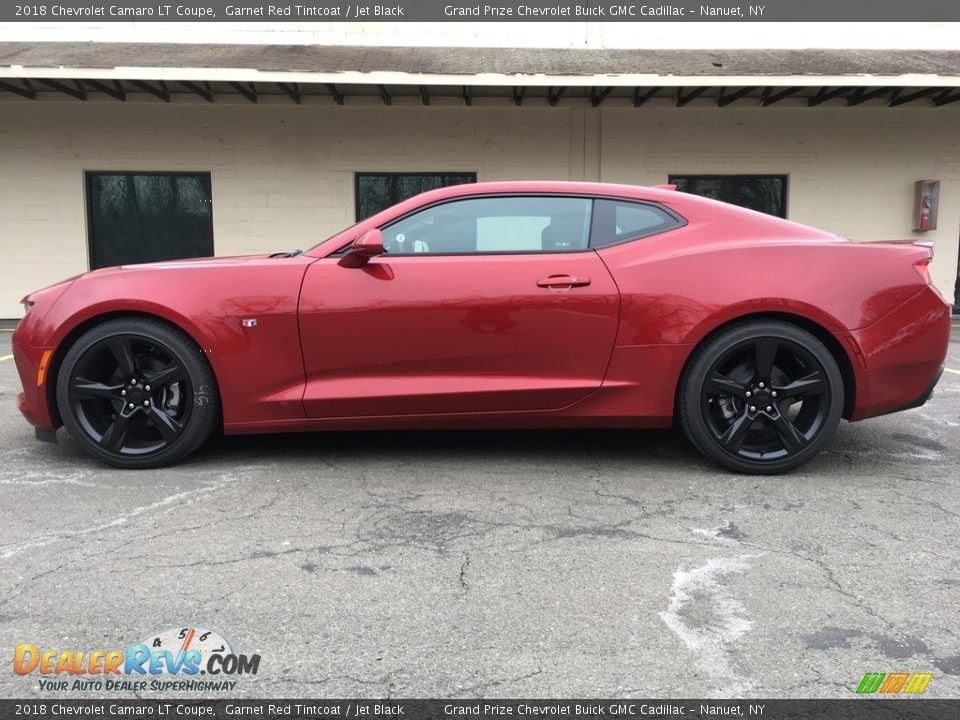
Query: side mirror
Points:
[368, 245]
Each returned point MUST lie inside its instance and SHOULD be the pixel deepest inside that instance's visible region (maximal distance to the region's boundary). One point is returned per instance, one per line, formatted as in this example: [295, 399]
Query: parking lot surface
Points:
[498, 564]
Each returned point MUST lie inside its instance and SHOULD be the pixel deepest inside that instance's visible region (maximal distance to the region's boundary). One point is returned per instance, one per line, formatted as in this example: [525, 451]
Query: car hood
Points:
[179, 264]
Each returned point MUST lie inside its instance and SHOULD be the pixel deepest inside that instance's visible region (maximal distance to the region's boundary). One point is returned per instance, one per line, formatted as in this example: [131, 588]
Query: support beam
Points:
[641, 98]
[518, 93]
[945, 98]
[76, 90]
[861, 95]
[899, 99]
[598, 97]
[725, 98]
[115, 91]
[467, 95]
[291, 90]
[160, 93]
[337, 95]
[693, 94]
[826, 94]
[26, 91]
[424, 95]
[204, 91]
[770, 97]
[553, 95]
[384, 95]
[248, 90]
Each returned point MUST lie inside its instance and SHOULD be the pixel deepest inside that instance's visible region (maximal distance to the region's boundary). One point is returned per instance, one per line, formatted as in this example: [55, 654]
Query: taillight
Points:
[923, 267]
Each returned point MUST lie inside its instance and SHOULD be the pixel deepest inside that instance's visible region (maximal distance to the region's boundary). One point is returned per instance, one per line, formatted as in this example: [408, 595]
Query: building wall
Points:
[283, 175]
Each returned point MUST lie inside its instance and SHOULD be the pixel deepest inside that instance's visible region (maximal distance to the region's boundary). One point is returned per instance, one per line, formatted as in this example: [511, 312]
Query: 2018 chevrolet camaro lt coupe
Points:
[516, 304]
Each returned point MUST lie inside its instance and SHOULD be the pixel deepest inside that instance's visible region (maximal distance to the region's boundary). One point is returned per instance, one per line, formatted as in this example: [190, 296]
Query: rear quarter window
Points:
[618, 221]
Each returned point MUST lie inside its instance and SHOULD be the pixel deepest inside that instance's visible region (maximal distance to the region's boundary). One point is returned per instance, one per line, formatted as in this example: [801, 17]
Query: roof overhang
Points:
[599, 75]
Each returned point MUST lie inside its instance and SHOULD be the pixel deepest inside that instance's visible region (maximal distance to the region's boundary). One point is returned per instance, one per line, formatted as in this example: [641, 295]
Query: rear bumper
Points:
[925, 395]
[903, 354]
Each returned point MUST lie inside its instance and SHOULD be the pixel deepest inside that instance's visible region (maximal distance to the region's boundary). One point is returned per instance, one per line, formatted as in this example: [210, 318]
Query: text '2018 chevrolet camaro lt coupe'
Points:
[514, 304]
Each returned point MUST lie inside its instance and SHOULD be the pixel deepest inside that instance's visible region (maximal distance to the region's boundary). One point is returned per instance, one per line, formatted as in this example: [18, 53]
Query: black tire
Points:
[137, 393]
[761, 397]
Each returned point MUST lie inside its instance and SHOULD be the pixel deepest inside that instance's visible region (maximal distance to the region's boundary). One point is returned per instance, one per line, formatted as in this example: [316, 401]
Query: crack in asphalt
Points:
[499, 682]
[463, 572]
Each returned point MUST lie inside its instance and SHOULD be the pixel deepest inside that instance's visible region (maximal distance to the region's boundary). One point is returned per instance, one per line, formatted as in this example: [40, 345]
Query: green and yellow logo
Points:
[893, 683]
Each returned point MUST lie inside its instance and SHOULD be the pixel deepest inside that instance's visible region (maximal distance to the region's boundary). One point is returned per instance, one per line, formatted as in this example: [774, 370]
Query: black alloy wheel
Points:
[137, 393]
[761, 397]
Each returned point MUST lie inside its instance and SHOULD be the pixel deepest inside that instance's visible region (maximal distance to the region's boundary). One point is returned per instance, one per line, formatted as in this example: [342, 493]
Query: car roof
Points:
[548, 186]
[694, 208]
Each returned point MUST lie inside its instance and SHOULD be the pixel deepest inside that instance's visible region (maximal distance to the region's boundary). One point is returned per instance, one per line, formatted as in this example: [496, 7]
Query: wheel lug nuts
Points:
[134, 382]
[147, 388]
[131, 406]
[769, 408]
[773, 394]
[146, 403]
[748, 393]
[760, 385]
[123, 392]
[753, 408]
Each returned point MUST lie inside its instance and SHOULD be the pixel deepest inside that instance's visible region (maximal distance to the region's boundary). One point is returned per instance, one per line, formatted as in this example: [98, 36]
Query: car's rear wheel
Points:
[761, 397]
[137, 393]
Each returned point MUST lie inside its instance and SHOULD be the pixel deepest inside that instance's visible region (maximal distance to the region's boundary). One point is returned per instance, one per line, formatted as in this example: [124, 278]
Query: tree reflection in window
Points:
[148, 217]
[378, 191]
[764, 193]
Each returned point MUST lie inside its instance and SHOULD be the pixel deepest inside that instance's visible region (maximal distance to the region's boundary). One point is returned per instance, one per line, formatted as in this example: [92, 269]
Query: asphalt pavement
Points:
[498, 564]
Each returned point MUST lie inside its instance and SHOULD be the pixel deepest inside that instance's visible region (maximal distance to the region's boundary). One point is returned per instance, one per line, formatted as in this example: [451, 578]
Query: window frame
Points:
[785, 177]
[88, 198]
[367, 173]
[448, 201]
[681, 222]
[677, 217]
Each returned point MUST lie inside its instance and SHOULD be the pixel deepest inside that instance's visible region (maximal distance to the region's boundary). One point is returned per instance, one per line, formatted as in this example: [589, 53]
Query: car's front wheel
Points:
[761, 397]
[137, 393]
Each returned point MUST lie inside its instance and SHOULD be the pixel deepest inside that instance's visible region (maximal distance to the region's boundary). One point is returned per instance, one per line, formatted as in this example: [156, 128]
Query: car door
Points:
[486, 304]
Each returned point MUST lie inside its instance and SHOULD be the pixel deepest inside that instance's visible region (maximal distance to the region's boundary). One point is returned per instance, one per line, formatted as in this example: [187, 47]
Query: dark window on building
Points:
[764, 193]
[493, 225]
[148, 217]
[616, 221]
[378, 191]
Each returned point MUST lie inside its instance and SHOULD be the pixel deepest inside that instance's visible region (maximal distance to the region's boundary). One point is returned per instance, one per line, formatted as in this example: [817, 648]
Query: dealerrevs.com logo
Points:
[185, 659]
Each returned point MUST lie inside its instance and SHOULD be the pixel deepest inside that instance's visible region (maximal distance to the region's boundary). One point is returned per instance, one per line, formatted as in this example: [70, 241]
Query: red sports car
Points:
[514, 304]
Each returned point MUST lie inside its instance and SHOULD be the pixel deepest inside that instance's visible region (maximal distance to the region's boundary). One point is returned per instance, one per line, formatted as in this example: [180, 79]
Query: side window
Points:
[616, 221]
[493, 225]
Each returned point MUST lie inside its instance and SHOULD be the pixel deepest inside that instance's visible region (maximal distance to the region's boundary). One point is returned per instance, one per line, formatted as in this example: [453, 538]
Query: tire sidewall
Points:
[202, 416]
[690, 411]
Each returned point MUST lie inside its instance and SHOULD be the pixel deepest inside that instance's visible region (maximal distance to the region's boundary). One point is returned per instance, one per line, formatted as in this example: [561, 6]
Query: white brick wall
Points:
[283, 175]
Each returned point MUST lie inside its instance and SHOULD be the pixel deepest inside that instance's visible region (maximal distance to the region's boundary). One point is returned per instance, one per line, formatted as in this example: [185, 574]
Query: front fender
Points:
[259, 369]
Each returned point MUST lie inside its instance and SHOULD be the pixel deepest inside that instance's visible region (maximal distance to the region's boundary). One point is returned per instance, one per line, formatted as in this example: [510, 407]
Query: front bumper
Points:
[32, 400]
[32, 341]
[904, 355]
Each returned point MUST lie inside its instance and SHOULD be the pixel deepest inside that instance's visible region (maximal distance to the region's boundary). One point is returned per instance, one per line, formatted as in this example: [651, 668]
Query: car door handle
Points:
[563, 281]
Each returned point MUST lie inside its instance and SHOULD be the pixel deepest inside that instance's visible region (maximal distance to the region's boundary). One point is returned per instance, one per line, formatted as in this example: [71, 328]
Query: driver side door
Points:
[486, 304]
